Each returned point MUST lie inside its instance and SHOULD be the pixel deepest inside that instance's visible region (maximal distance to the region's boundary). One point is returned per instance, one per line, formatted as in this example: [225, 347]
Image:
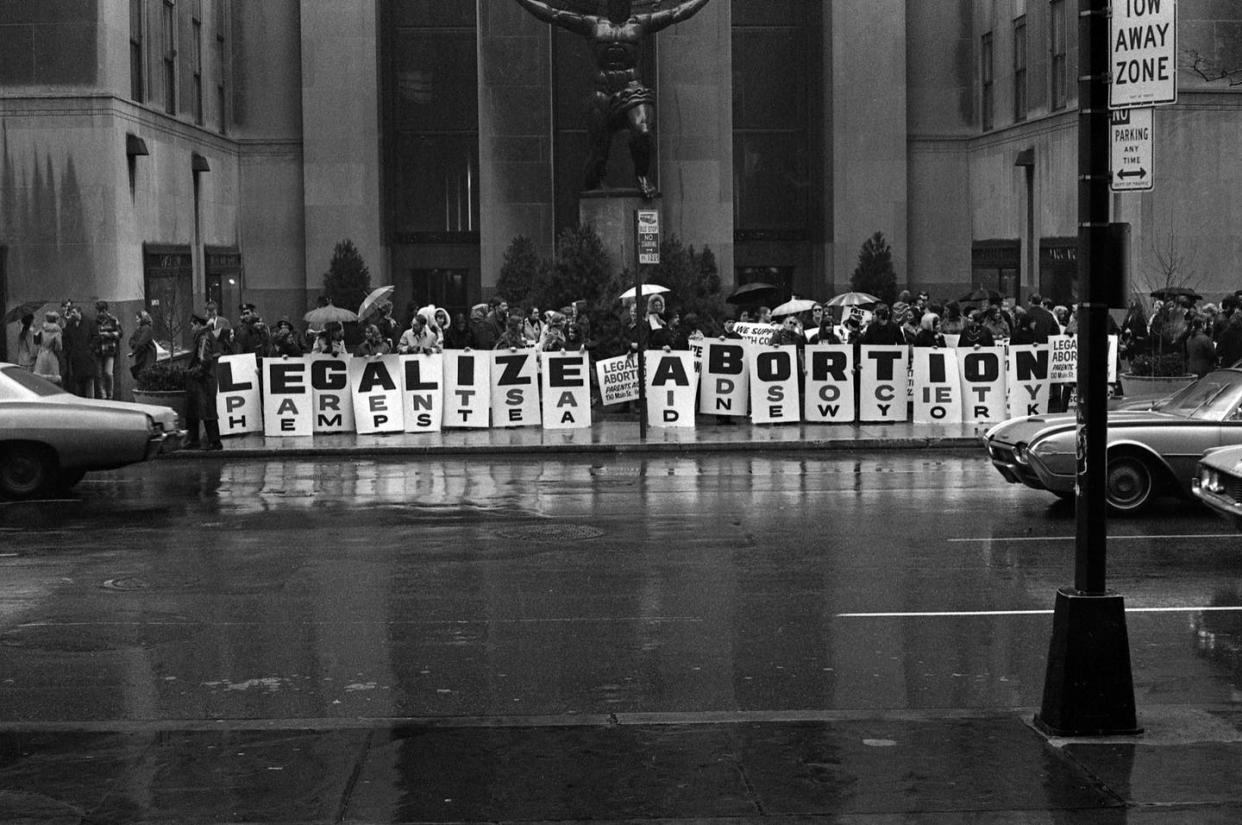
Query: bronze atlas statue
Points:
[620, 100]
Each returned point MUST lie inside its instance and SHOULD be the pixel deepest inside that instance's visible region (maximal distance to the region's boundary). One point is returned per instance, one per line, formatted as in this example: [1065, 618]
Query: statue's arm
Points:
[576, 23]
[663, 19]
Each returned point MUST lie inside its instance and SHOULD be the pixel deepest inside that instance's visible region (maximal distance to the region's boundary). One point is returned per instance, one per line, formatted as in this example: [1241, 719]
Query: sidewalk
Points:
[616, 434]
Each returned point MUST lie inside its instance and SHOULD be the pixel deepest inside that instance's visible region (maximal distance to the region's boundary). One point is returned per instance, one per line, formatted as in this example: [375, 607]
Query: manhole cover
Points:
[551, 532]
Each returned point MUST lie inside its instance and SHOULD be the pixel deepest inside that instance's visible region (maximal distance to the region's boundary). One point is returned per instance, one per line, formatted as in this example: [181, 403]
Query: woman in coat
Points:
[27, 343]
[47, 362]
[142, 344]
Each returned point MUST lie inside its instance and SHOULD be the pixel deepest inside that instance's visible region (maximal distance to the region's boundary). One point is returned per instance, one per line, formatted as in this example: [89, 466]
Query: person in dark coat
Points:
[1045, 322]
[201, 387]
[78, 338]
[142, 351]
[1229, 342]
[929, 332]
[882, 332]
[1200, 350]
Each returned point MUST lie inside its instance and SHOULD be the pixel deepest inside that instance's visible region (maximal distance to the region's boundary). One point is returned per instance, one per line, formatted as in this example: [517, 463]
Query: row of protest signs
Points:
[821, 383]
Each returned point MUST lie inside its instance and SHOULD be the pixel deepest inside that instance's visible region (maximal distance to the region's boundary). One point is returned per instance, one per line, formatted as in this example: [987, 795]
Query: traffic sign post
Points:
[1132, 156]
[647, 239]
[1142, 53]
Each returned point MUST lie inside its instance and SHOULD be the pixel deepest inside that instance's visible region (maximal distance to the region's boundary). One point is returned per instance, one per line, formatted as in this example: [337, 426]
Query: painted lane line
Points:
[1110, 538]
[969, 613]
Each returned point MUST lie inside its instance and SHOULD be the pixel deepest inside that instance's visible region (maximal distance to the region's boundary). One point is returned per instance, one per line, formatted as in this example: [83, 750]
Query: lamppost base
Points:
[1088, 687]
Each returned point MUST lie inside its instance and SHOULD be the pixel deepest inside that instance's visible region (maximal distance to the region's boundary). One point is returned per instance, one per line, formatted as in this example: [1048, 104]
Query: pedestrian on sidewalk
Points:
[201, 387]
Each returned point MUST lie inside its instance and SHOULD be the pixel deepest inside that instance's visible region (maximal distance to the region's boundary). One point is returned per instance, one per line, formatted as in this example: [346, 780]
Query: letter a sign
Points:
[1142, 53]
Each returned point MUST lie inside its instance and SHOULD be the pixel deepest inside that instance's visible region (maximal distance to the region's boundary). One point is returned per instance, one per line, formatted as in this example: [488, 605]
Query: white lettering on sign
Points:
[1143, 53]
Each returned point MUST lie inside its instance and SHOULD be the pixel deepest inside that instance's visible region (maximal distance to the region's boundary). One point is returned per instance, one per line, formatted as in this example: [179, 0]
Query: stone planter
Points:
[1153, 386]
[162, 398]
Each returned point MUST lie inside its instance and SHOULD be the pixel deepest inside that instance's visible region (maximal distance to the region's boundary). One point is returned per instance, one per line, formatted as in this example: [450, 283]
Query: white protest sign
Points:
[829, 395]
[286, 398]
[1063, 363]
[566, 391]
[696, 349]
[515, 388]
[671, 387]
[330, 393]
[239, 401]
[755, 333]
[938, 388]
[376, 385]
[982, 374]
[422, 392]
[883, 383]
[724, 384]
[618, 379]
[1028, 371]
[467, 388]
[773, 384]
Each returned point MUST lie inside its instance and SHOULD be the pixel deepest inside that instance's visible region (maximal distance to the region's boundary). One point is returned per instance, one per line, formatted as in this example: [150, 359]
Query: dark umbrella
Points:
[981, 294]
[754, 293]
[32, 307]
[1165, 293]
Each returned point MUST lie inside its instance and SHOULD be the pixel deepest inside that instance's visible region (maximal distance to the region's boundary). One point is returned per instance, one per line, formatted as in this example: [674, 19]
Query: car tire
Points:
[1130, 484]
[26, 470]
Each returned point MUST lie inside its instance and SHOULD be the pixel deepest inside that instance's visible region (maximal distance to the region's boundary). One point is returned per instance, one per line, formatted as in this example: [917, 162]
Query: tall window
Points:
[196, 24]
[434, 114]
[222, 110]
[1060, 51]
[775, 66]
[169, 43]
[986, 75]
[1019, 69]
[137, 75]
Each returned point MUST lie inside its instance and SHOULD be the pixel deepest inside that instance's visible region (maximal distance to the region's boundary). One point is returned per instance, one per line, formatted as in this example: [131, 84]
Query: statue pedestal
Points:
[611, 212]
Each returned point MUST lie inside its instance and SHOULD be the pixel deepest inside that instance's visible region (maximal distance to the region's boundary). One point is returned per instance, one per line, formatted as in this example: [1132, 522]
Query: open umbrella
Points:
[32, 307]
[372, 301]
[319, 316]
[853, 299]
[754, 293]
[1167, 292]
[981, 294]
[794, 306]
[648, 291]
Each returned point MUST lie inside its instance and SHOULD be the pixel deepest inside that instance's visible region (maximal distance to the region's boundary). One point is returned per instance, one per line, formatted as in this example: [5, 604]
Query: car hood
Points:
[165, 415]
[1228, 459]
[1025, 430]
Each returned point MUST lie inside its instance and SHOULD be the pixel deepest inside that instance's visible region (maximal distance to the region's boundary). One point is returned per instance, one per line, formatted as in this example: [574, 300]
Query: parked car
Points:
[1219, 483]
[49, 438]
[1151, 452]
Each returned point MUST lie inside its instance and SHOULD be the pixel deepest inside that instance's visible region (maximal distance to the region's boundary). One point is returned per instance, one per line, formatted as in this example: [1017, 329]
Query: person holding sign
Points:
[200, 387]
[929, 332]
[418, 340]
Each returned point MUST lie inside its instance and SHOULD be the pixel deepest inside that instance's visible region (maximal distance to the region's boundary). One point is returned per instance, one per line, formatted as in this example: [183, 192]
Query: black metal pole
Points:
[640, 335]
[1094, 199]
[1088, 687]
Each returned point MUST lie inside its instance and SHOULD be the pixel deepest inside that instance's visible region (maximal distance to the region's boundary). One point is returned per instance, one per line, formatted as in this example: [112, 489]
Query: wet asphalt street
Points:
[712, 636]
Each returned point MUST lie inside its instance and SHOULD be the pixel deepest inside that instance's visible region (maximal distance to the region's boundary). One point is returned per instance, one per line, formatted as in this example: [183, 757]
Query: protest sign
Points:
[287, 402]
[331, 395]
[773, 384]
[755, 333]
[938, 387]
[422, 401]
[883, 383]
[467, 389]
[618, 379]
[982, 373]
[829, 395]
[566, 390]
[724, 384]
[515, 389]
[1063, 361]
[671, 388]
[376, 386]
[239, 401]
[1027, 373]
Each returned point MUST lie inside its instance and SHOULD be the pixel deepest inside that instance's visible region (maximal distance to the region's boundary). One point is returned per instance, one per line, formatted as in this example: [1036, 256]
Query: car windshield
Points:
[1215, 397]
[27, 381]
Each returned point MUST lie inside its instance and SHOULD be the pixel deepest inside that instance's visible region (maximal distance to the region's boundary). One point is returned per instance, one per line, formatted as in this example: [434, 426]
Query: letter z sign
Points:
[1143, 53]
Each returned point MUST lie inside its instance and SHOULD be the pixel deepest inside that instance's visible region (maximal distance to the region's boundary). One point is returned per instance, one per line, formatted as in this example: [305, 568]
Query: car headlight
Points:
[1209, 480]
[1019, 452]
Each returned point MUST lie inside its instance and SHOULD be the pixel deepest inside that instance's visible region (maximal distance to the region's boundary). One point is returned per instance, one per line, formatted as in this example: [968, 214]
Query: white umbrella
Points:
[794, 306]
[319, 316]
[648, 291]
[373, 300]
[853, 299]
